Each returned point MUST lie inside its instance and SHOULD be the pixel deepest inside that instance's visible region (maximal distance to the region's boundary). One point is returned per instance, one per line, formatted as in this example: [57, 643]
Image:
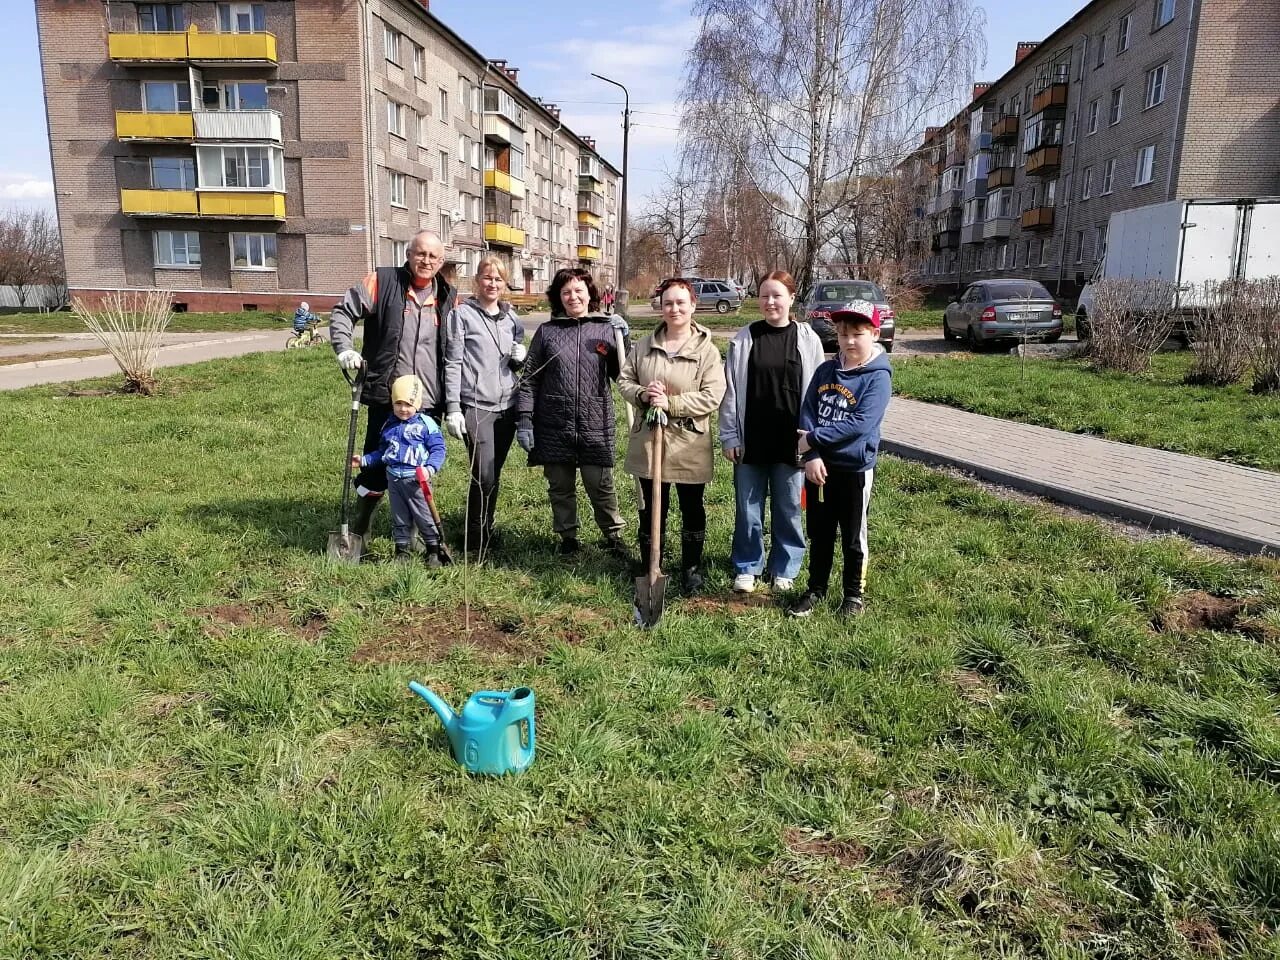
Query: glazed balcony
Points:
[945, 201]
[973, 232]
[1037, 218]
[498, 129]
[1005, 130]
[591, 203]
[590, 185]
[215, 48]
[588, 253]
[589, 219]
[238, 125]
[503, 234]
[589, 168]
[997, 228]
[501, 180]
[141, 125]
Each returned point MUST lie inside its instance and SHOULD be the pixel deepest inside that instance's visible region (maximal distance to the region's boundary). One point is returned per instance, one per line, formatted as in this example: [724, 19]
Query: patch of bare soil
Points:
[807, 843]
[1197, 610]
[1201, 935]
[311, 626]
[731, 604]
[429, 633]
[974, 687]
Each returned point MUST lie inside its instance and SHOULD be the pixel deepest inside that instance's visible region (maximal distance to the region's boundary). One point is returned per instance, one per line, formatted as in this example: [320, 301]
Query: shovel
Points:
[425, 484]
[651, 589]
[344, 545]
[631, 416]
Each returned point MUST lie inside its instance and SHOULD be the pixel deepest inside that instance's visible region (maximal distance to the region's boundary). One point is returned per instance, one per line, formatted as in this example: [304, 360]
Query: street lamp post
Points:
[622, 217]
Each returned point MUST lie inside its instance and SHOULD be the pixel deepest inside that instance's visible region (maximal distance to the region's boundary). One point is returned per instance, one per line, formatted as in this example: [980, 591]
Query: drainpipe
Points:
[1075, 160]
[1184, 83]
[370, 114]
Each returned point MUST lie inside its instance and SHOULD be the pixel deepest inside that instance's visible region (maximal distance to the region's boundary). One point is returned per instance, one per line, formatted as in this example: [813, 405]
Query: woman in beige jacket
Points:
[677, 369]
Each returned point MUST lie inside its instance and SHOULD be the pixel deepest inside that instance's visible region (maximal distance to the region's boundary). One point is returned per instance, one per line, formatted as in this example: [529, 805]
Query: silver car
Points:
[717, 295]
[993, 310]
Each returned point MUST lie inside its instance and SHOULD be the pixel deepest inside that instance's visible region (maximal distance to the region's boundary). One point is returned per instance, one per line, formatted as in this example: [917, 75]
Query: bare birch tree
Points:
[810, 98]
[30, 252]
[676, 212]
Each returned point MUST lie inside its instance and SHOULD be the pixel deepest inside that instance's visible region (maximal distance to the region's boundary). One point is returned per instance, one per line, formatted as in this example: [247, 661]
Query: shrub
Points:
[1264, 320]
[130, 325]
[1131, 318]
[1222, 333]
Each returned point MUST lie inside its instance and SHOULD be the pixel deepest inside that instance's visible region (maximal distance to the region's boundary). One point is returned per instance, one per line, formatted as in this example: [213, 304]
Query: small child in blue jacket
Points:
[839, 438]
[302, 317]
[410, 440]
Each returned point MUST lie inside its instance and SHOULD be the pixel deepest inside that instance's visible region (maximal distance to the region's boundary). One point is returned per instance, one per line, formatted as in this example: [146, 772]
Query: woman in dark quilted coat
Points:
[565, 407]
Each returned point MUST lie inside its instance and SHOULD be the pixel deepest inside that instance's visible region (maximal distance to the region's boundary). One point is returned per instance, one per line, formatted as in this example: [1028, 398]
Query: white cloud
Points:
[21, 186]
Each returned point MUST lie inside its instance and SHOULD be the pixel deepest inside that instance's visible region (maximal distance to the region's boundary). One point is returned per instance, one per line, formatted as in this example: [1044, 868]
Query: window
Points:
[397, 189]
[422, 195]
[1099, 242]
[244, 168]
[391, 44]
[1146, 165]
[1079, 246]
[395, 118]
[475, 210]
[166, 96]
[253, 251]
[244, 96]
[399, 251]
[1004, 256]
[1071, 125]
[242, 18]
[1092, 125]
[444, 166]
[475, 154]
[1155, 85]
[464, 93]
[1086, 183]
[1108, 176]
[444, 105]
[1122, 33]
[419, 61]
[462, 149]
[1164, 13]
[177, 248]
[446, 225]
[1066, 189]
[1117, 106]
[173, 173]
[162, 18]
[1102, 51]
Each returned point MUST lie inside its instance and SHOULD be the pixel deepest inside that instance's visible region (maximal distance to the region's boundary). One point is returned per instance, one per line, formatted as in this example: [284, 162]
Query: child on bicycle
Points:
[303, 317]
[411, 444]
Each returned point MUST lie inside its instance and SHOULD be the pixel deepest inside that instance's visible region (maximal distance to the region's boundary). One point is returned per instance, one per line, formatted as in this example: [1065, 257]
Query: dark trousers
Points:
[693, 520]
[489, 436]
[372, 481]
[409, 511]
[842, 503]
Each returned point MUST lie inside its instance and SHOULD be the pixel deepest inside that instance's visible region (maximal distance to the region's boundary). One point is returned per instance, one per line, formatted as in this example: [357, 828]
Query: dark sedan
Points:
[831, 295]
[993, 310]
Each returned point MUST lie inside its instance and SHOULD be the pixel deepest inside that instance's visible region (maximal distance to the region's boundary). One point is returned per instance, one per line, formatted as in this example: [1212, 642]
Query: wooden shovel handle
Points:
[655, 503]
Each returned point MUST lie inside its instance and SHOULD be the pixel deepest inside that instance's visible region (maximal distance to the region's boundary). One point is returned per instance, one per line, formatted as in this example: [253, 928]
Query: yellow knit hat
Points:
[407, 389]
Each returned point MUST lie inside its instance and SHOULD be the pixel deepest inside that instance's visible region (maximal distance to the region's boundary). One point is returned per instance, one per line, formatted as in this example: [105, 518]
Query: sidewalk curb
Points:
[1236, 543]
[62, 361]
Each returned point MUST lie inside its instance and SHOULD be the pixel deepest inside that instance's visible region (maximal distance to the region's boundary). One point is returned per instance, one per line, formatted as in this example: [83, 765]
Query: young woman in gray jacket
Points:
[484, 350]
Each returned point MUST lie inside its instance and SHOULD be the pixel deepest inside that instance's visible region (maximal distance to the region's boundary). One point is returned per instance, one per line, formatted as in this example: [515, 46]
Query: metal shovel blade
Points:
[345, 546]
[651, 595]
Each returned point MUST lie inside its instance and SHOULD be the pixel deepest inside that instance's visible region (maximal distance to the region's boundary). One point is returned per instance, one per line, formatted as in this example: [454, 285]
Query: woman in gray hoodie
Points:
[484, 350]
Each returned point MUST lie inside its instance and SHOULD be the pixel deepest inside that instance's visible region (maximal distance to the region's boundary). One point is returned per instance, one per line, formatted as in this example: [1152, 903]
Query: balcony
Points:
[499, 129]
[591, 203]
[945, 200]
[590, 185]
[589, 219]
[972, 232]
[1037, 218]
[1051, 95]
[137, 125]
[503, 234]
[975, 188]
[958, 156]
[946, 240]
[242, 203]
[1044, 161]
[588, 169]
[238, 125]
[500, 180]
[997, 228]
[215, 48]
[1005, 130]
[588, 253]
[159, 203]
[1001, 173]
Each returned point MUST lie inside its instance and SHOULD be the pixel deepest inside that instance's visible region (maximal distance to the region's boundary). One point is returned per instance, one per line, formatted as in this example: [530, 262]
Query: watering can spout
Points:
[442, 709]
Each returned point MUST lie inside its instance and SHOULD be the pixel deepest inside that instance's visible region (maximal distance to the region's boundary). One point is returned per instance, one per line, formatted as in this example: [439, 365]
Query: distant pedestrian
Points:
[607, 299]
[767, 372]
[839, 439]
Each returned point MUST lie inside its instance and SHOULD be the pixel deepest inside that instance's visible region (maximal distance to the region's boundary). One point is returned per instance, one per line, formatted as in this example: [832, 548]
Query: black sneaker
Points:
[618, 547]
[691, 581]
[807, 603]
[432, 558]
[404, 553]
[851, 607]
[568, 545]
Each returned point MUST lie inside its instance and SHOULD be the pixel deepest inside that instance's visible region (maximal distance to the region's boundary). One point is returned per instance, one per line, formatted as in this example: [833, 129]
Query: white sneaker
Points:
[744, 583]
[783, 583]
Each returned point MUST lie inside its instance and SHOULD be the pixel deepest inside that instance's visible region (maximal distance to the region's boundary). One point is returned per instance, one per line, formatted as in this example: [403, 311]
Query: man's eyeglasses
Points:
[428, 257]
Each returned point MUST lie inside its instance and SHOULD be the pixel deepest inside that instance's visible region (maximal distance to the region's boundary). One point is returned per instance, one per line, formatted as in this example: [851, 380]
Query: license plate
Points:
[1020, 317]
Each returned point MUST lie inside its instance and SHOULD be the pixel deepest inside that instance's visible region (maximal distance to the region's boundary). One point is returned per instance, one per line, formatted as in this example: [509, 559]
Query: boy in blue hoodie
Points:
[410, 441]
[839, 438]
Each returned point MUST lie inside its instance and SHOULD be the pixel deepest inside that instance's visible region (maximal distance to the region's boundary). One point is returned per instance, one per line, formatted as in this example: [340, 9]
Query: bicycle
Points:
[308, 337]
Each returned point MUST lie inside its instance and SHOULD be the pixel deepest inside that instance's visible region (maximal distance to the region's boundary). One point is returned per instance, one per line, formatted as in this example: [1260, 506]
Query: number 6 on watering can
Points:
[493, 734]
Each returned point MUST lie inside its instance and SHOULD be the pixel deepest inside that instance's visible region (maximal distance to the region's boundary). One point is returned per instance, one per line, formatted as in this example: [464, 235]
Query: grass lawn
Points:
[66, 322]
[1041, 740]
[1152, 410]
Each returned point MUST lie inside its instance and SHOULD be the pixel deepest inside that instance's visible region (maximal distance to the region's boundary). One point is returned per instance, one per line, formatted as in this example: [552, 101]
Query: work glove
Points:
[456, 425]
[518, 352]
[350, 360]
[524, 437]
[619, 323]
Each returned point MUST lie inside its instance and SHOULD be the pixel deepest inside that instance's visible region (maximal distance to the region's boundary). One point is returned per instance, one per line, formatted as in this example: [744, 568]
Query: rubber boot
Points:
[362, 516]
[432, 556]
[691, 561]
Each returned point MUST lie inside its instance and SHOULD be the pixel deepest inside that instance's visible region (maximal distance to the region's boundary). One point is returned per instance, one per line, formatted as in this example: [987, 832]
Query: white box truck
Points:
[1188, 242]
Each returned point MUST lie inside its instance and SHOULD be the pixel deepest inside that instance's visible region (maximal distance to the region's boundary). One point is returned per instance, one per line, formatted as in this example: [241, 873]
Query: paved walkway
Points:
[1237, 508]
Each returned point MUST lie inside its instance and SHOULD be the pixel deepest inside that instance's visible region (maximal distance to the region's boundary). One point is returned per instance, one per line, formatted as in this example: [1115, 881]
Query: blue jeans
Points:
[782, 484]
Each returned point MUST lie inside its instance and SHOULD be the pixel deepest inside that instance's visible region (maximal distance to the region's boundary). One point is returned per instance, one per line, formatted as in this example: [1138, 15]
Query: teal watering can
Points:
[493, 733]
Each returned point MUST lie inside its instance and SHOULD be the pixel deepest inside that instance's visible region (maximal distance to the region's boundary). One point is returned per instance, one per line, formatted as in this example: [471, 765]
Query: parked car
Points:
[717, 295]
[828, 295]
[1003, 310]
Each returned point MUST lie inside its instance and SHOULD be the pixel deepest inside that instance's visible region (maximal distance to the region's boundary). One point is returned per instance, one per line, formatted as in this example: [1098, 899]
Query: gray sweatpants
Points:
[409, 510]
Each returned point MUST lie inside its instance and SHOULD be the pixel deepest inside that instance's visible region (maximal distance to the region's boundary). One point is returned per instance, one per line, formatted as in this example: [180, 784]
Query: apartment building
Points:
[247, 155]
[1130, 102]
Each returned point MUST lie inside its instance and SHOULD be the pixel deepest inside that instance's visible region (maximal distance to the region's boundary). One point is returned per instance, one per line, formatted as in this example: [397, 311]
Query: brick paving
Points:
[1237, 508]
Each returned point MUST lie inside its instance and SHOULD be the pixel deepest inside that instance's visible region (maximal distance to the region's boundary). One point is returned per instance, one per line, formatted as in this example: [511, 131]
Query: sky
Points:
[556, 44]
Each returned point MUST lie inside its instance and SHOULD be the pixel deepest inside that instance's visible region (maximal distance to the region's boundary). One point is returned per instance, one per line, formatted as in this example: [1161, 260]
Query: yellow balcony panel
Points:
[588, 253]
[499, 180]
[134, 125]
[506, 235]
[154, 47]
[590, 219]
[158, 203]
[242, 203]
[256, 47]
